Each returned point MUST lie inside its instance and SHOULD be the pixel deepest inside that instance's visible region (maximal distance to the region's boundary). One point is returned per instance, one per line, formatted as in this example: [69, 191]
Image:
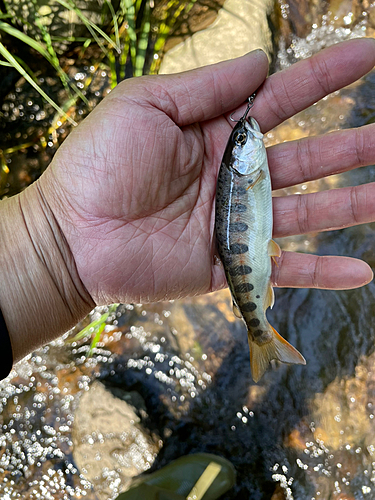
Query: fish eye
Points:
[240, 138]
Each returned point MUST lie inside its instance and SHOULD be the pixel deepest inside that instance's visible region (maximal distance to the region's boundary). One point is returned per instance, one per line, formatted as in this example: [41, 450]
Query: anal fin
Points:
[274, 250]
[270, 297]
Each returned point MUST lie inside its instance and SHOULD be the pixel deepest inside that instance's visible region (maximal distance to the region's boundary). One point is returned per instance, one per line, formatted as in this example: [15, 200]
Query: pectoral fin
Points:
[260, 177]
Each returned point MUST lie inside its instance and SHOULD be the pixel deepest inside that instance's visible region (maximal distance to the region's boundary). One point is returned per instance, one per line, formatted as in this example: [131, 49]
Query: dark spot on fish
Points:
[254, 322]
[238, 248]
[240, 270]
[238, 208]
[243, 288]
[238, 227]
[257, 333]
[221, 240]
[258, 296]
[240, 191]
[248, 307]
[227, 259]
[250, 181]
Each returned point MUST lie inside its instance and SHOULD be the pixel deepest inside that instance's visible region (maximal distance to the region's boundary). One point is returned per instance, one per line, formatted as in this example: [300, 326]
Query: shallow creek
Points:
[170, 379]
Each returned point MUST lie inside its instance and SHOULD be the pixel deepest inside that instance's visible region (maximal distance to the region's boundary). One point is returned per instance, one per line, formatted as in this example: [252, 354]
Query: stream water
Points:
[170, 379]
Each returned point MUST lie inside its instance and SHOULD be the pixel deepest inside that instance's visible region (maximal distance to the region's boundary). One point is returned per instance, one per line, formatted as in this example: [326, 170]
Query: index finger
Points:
[289, 91]
[203, 93]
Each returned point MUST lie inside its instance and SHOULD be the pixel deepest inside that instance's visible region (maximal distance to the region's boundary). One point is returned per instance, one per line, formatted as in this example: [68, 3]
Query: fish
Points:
[243, 227]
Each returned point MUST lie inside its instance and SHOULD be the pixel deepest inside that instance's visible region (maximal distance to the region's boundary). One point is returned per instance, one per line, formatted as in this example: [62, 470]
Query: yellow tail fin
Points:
[278, 348]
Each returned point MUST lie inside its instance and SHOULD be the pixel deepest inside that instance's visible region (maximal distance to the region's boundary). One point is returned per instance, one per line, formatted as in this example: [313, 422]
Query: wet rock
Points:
[111, 446]
[201, 15]
[246, 23]
[278, 494]
[336, 449]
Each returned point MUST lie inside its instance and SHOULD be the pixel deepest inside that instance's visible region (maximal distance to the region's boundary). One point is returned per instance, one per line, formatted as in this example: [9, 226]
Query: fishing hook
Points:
[250, 104]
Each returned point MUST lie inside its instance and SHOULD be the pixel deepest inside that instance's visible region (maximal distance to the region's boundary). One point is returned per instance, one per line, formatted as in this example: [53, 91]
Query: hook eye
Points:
[250, 104]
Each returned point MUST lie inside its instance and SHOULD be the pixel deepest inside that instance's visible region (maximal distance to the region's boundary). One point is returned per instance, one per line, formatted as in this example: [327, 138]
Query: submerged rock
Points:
[110, 444]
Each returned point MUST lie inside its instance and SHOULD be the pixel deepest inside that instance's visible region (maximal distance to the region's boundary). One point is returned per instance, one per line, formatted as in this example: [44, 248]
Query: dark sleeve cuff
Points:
[6, 353]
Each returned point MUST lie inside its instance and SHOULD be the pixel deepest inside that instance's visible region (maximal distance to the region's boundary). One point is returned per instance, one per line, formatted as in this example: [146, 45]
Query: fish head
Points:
[248, 151]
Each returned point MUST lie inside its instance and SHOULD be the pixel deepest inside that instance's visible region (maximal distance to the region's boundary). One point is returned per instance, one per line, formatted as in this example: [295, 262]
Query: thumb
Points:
[204, 93]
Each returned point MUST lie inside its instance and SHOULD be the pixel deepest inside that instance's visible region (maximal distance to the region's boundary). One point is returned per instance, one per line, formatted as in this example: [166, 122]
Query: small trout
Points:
[243, 228]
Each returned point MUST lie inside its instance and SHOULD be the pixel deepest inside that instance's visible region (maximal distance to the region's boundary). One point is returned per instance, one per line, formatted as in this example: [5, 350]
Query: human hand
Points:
[133, 186]
[125, 212]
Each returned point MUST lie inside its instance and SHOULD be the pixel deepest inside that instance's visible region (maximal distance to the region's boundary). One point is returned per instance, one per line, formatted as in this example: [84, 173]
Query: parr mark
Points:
[238, 227]
[238, 248]
[248, 307]
[240, 270]
[243, 288]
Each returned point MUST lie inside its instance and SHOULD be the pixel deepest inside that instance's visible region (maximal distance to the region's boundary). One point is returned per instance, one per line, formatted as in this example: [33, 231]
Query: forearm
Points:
[41, 294]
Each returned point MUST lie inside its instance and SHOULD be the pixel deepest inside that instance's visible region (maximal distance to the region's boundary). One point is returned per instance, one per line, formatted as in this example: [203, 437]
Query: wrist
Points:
[41, 294]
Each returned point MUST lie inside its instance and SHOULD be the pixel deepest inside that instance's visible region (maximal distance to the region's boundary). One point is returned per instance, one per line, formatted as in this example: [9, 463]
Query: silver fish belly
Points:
[243, 226]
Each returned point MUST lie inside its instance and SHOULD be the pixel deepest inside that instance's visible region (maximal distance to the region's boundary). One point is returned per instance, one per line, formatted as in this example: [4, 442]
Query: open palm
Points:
[133, 187]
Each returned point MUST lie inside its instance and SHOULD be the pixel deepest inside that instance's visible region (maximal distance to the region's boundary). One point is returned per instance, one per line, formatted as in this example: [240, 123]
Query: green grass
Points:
[95, 329]
[16, 65]
[125, 41]
[167, 21]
